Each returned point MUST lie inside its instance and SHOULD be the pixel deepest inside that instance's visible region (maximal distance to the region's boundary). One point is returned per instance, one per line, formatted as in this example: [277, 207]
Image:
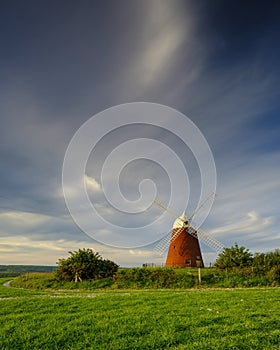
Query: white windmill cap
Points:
[180, 221]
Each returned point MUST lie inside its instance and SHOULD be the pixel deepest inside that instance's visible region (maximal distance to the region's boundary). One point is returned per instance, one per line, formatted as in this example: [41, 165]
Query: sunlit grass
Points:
[140, 319]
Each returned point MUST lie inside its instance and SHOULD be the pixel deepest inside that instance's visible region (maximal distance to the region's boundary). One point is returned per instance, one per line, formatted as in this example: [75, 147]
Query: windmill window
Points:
[188, 262]
[174, 246]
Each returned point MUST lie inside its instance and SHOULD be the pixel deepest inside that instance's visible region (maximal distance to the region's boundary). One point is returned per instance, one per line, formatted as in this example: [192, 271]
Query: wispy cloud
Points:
[251, 223]
[92, 184]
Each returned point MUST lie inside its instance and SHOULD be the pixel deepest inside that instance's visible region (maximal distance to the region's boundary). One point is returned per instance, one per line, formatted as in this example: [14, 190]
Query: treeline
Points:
[263, 268]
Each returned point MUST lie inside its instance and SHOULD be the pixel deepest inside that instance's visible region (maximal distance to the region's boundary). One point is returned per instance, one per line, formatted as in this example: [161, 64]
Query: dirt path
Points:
[7, 284]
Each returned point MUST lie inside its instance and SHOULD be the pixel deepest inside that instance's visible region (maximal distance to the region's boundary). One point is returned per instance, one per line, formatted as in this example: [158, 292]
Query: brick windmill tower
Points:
[183, 242]
[184, 249]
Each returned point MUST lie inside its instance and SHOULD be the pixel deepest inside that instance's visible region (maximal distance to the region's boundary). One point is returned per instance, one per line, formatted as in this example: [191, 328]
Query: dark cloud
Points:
[62, 62]
[241, 29]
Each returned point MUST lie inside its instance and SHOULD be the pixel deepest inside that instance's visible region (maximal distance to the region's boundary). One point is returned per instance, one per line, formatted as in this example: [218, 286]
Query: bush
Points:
[153, 278]
[85, 264]
[234, 257]
[264, 262]
[274, 275]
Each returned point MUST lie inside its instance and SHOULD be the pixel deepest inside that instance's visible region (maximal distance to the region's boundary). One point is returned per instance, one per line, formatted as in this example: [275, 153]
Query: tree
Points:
[234, 256]
[85, 264]
[263, 262]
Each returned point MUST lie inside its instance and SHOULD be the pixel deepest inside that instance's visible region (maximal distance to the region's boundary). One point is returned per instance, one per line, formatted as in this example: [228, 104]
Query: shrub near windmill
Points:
[183, 242]
[85, 264]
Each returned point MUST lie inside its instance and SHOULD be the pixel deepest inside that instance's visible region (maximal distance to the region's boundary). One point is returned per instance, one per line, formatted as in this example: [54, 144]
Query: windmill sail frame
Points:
[186, 229]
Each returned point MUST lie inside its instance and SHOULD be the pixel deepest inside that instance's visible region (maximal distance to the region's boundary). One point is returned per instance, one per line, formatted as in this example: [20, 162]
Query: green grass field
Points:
[140, 319]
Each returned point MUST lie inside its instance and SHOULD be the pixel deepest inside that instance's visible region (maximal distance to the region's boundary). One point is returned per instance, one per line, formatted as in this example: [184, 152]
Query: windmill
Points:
[183, 241]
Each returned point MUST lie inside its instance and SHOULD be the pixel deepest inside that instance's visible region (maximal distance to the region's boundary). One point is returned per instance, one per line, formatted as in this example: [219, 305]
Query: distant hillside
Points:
[16, 270]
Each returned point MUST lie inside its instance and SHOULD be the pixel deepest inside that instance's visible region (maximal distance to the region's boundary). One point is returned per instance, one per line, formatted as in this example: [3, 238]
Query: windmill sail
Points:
[211, 242]
[163, 244]
[183, 241]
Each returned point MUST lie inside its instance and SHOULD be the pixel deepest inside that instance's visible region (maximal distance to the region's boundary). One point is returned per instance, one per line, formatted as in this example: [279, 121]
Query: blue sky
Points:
[63, 62]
